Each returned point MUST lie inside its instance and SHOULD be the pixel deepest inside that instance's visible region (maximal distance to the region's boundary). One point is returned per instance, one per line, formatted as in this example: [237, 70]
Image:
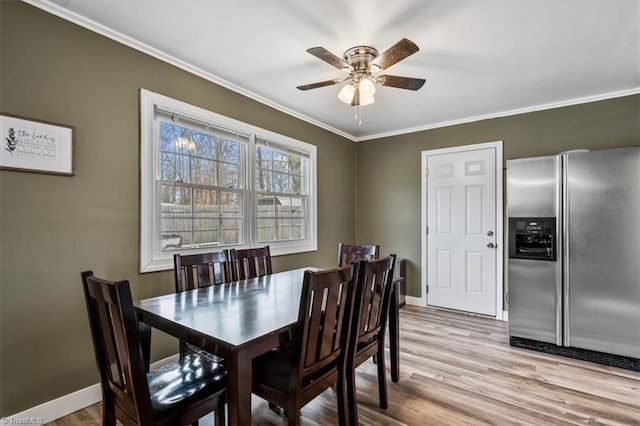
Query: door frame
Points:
[497, 145]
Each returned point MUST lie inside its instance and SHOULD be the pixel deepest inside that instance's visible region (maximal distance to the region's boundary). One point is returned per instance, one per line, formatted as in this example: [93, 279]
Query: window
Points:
[209, 182]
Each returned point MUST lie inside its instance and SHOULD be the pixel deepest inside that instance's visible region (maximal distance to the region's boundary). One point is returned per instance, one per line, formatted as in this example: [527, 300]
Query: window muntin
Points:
[202, 186]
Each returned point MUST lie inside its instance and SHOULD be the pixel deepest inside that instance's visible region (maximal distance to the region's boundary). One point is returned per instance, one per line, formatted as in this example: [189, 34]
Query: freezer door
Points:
[602, 259]
[535, 286]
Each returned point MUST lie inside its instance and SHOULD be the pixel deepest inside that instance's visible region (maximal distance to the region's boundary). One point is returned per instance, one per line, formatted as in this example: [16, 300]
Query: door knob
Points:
[491, 245]
[490, 233]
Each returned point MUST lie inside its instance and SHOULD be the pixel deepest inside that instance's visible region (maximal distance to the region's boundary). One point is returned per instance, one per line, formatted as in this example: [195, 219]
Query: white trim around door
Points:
[497, 145]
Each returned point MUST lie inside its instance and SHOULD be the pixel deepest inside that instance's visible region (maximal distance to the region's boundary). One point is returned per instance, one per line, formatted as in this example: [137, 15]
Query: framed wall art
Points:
[36, 146]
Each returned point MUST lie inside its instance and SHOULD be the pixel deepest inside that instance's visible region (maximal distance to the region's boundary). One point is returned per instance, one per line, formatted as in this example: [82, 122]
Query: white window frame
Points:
[152, 257]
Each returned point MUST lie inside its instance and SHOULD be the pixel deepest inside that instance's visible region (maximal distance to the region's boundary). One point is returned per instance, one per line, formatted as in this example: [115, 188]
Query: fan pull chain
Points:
[357, 115]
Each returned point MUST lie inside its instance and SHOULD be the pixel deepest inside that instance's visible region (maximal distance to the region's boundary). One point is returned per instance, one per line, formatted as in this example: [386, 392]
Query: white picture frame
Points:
[37, 146]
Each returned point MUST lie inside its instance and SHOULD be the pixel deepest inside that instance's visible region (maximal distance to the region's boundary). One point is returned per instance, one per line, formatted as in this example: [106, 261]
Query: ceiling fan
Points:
[362, 63]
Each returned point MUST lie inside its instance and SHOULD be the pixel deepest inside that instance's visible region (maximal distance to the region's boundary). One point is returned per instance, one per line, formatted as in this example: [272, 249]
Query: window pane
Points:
[263, 180]
[203, 171]
[205, 145]
[191, 217]
[297, 229]
[298, 207]
[231, 231]
[231, 204]
[280, 182]
[205, 231]
[266, 230]
[228, 175]
[205, 202]
[168, 133]
[283, 206]
[175, 198]
[168, 169]
[283, 229]
[266, 206]
[280, 161]
[296, 184]
[295, 165]
[229, 151]
[263, 158]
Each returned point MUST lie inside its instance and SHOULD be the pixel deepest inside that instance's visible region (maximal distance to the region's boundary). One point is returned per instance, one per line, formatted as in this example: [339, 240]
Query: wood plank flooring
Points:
[459, 369]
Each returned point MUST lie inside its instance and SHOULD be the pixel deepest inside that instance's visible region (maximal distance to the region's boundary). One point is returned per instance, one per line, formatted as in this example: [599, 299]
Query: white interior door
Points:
[461, 230]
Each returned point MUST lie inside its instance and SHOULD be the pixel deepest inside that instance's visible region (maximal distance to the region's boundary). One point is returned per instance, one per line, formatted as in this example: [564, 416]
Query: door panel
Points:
[603, 252]
[461, 268]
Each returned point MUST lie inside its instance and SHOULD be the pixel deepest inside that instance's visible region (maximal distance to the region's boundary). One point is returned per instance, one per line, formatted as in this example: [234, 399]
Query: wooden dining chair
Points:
[250, 263]
[296, 373]
[348, 253]
[179, 392]
[374, 280]
[201, 270]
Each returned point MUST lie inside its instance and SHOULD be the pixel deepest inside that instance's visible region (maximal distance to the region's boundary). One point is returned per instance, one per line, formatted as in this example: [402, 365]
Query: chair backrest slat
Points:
[348, 253]
[201, 270]
[250, 263]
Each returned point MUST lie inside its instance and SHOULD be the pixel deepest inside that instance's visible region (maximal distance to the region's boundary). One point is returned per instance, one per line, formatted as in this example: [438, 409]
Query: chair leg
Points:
[108, 412]
[219, 415]
[352, 400]
[343, 403]
[293, 417]
[382, 380]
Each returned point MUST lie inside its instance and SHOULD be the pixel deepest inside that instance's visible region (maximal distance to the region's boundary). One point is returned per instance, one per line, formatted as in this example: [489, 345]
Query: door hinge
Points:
[426, 171]
[427, 230]
[427, 290]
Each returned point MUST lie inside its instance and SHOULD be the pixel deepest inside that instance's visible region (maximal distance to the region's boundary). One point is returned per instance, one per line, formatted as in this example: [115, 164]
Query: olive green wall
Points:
[53, 227]
[388, 170]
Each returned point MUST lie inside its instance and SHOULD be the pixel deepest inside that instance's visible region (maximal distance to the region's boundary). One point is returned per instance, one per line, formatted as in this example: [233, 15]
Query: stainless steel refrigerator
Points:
[574, 251]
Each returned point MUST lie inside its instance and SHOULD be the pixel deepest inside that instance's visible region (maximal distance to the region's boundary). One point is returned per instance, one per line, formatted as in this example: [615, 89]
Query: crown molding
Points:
[119, 37]
[541, 107]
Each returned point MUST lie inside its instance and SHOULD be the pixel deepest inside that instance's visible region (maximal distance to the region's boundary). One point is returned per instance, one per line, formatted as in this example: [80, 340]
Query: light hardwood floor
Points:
[458, 369]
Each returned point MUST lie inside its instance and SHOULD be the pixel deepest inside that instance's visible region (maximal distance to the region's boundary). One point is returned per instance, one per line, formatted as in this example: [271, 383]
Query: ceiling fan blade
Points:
[401, 82]
[328, 57]
[318, 84]
[402, 49]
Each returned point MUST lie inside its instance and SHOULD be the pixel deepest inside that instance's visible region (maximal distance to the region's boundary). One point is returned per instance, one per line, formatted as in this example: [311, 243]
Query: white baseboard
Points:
[415, 301]
[505, 315]
[66, 404]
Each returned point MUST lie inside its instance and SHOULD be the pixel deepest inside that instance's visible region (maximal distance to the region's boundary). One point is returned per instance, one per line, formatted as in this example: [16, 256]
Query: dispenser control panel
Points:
[532, 238]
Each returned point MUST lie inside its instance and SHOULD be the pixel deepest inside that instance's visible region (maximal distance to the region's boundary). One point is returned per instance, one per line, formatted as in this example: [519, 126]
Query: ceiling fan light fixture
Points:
[346, 93]
[367, 87]
[366, 100]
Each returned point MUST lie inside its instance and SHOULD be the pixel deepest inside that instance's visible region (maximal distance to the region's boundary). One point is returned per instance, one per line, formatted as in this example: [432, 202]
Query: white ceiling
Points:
[480, 58]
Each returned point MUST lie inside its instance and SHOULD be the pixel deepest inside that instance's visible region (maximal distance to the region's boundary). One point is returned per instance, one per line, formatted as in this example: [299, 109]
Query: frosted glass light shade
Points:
[346, 93]
[367, 87]
[366, 100]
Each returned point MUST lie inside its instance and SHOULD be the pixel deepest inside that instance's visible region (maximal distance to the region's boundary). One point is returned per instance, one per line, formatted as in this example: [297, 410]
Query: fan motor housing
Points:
[359, 57]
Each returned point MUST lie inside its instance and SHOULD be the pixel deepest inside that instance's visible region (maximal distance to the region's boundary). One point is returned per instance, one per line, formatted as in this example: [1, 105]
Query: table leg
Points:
[239, 388]
[394, 331]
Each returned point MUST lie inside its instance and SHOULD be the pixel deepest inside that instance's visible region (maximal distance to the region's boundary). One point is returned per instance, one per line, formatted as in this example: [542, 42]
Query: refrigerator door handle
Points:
[564, 285]
[559, 248]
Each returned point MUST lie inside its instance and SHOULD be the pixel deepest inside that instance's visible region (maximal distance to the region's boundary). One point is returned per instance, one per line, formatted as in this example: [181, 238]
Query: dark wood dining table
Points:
[240, 321]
